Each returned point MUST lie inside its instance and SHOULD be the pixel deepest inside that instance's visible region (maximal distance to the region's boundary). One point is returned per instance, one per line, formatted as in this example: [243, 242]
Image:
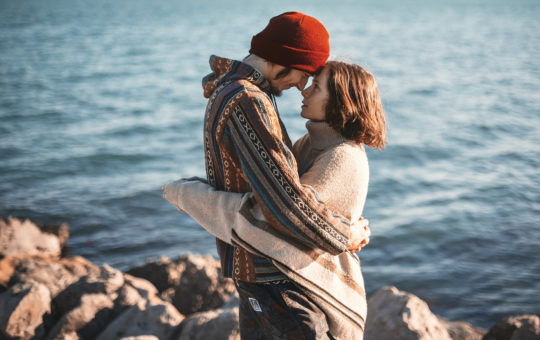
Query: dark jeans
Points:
[279, 311]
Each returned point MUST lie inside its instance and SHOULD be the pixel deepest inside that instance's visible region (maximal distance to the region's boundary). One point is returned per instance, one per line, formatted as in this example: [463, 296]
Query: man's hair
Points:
[354, 107]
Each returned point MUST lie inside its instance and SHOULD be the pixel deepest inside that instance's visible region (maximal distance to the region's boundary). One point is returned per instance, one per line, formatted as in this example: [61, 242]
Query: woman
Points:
[345, 112]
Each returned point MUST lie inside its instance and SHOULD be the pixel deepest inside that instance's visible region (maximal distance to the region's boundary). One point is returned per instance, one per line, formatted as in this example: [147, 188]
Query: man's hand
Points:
[359, 236]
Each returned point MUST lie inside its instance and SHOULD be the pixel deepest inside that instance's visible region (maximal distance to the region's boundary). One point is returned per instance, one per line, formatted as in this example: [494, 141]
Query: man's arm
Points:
[291, 208]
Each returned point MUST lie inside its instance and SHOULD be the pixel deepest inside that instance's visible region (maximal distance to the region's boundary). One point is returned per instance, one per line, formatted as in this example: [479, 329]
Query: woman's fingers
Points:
[359, 237]
[362, 244]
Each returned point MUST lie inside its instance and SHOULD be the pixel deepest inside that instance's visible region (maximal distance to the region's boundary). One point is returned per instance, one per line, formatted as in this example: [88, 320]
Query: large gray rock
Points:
[460, 330]
[233, 302]
[24, 237]
[55, 274]
[136, 291]
[6, 272]
[85, 320]
[112, 305]
[107, 281]
[521, 327]
[127, 296]
[192, 283]
[162, 273]
[22, 309]
[59, 230]
[144, 287]
[393, 314]
[145, 320]
[87, 306]
[220, 324]
[201, 286]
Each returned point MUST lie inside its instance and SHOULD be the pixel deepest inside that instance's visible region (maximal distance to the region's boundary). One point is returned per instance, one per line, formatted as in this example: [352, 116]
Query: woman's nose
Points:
[305, 92]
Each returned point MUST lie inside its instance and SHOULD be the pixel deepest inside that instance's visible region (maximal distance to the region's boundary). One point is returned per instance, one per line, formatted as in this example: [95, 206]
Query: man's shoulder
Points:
[244, 86]
[243, 91]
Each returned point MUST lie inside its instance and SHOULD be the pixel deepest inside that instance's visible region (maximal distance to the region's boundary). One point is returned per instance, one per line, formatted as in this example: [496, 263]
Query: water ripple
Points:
[98, 112]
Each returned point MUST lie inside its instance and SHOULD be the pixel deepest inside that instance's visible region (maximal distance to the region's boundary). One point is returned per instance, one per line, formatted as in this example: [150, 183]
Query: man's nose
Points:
[302, 83]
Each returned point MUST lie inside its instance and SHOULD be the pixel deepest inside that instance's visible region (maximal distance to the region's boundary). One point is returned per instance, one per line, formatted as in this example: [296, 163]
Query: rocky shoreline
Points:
[45, 294]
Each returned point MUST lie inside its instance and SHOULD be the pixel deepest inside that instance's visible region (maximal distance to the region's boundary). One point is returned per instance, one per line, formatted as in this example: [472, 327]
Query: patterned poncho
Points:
[247, 149]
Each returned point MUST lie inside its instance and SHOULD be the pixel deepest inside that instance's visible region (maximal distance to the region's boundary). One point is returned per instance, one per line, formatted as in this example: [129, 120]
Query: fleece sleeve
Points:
[216, 211]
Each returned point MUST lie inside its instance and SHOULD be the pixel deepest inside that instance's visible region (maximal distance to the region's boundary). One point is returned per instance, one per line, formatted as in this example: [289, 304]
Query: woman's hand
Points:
[359, 236]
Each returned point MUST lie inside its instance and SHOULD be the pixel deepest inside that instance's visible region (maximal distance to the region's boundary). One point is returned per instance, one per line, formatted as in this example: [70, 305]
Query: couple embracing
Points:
[287, 217]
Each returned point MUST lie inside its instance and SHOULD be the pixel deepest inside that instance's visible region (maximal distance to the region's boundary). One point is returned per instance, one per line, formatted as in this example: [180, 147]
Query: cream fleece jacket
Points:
[337, 170]
[335, 167]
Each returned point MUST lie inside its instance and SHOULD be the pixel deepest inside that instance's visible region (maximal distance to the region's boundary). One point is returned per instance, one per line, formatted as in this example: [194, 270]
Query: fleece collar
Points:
[322, 136]
[227, 70]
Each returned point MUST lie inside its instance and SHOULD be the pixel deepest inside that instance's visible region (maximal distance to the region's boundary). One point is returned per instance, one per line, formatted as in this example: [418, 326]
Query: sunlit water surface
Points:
[101, 104]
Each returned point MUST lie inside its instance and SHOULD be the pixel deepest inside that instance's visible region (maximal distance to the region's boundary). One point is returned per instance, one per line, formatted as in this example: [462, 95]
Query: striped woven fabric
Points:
[334, 283]
[247, 149]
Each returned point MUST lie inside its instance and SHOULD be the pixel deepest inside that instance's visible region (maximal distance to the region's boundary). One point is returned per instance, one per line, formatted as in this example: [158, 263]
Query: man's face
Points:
[295, 78]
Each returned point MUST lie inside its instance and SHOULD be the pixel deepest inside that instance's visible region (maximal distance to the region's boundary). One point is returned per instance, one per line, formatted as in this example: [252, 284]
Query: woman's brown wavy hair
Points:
[354, 107]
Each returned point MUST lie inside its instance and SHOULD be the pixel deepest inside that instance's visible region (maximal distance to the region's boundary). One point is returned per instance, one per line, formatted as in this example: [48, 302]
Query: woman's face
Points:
[316, 97]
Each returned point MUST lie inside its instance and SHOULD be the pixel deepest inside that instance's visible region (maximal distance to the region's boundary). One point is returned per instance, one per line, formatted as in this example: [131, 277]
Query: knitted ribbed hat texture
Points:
[295, 40]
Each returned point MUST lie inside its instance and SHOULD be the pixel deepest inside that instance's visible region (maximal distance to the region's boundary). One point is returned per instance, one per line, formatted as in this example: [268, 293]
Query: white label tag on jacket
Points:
[255, 304]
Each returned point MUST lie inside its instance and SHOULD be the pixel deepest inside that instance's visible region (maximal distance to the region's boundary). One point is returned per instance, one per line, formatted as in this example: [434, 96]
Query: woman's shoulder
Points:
[346, 160]
[346, 152]
[340, 175]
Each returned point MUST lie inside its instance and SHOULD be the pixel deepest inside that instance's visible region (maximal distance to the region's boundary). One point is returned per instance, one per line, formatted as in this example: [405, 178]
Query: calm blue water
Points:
[101, 104]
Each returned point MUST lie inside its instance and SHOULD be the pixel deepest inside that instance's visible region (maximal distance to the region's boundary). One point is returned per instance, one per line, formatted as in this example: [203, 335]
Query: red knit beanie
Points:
[294, 40]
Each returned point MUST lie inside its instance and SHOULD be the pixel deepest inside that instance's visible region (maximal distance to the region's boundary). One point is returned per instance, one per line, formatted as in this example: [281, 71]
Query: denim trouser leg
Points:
[278, 311]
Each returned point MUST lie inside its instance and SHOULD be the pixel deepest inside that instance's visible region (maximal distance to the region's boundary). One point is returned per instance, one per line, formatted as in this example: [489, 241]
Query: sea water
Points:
[101, 104]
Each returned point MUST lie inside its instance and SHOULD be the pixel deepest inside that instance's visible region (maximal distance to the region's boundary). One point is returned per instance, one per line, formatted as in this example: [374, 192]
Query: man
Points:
[247, 149]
